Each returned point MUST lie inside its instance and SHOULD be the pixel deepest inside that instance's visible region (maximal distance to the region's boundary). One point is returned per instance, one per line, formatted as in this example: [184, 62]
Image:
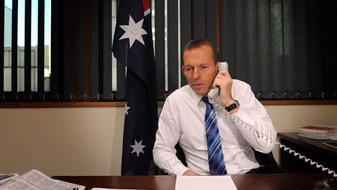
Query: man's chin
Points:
[200, 92]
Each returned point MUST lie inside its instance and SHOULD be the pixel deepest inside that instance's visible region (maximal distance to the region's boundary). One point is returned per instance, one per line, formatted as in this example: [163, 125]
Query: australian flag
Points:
[133, 47]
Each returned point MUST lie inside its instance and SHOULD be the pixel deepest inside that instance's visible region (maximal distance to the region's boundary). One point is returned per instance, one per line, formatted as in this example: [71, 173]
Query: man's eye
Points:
[188, 69]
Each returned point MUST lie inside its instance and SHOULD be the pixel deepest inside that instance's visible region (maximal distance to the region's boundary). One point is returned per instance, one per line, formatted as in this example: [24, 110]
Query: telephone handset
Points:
[215, 91]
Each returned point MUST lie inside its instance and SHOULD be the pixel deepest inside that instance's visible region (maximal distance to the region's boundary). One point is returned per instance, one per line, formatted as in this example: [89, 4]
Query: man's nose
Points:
[196, 72]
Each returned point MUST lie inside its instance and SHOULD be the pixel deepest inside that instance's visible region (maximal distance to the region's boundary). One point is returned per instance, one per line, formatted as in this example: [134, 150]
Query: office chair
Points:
[267, 163]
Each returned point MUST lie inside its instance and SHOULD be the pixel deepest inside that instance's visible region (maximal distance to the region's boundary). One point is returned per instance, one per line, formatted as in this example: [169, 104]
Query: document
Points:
[111, 189]
[205, 182]
[36, 180]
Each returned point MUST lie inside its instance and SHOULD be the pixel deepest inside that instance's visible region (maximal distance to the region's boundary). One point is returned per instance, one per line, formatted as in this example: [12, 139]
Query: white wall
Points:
[87, 141]
[61, 141]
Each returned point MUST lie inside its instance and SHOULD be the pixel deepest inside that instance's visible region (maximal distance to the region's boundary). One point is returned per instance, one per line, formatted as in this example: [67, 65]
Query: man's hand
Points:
[224, 81]
[189, 172]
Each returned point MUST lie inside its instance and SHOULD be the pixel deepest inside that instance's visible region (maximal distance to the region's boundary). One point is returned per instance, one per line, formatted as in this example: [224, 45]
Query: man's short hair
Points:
[200, 42]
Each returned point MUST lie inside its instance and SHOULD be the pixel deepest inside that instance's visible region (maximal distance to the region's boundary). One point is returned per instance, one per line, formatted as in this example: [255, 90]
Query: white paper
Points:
[205, 183]
[96, 188]
[36, 180]
[110, 189]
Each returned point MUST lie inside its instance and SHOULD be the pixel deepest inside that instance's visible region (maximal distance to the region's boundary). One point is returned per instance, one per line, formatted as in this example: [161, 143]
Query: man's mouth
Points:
[198, 85]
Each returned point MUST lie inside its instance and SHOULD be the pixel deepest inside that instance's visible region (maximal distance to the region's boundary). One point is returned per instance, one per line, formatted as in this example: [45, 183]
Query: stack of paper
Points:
[318, 131]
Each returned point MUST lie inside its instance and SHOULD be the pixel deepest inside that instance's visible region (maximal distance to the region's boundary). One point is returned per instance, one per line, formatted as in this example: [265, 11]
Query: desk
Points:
[281, 181]
[311, 148]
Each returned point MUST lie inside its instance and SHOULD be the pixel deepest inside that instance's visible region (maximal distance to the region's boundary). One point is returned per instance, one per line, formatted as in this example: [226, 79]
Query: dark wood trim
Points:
[167, 182]
[299, 102]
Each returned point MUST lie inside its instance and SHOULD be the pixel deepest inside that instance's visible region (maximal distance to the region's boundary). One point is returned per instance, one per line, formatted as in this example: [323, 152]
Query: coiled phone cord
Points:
[306, 159]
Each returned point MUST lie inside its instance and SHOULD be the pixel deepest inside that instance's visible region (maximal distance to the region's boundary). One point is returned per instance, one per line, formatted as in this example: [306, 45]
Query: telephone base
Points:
[326, 184]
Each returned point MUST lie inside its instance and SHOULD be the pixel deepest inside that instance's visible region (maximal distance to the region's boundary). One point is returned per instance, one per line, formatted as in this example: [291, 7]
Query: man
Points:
[243, 122]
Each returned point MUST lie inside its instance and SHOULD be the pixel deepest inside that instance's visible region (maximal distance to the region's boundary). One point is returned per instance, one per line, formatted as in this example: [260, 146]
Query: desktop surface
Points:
[298, 181]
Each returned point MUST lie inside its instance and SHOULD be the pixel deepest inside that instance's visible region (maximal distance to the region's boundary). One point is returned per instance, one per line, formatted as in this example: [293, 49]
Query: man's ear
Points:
[217, 65]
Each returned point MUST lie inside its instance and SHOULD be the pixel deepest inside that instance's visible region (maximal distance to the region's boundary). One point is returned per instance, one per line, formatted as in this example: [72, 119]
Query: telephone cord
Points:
[306, 159]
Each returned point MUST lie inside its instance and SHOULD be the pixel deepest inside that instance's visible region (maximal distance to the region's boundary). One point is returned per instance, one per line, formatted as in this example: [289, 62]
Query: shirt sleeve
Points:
[252, 119]
[167, 136]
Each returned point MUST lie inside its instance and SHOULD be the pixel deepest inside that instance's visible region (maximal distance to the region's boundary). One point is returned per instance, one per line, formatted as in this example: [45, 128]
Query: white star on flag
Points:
[133, 31]
[138, 148]
[126, 108]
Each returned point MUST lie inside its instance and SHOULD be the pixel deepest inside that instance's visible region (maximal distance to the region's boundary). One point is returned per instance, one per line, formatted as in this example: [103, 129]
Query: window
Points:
[25, 62]
[61, 50]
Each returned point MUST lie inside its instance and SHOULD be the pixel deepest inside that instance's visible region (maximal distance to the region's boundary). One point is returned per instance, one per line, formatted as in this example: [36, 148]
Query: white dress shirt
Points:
[182, 120]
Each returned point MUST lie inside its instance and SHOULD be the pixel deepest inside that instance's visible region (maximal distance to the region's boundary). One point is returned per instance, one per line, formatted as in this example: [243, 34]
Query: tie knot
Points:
[205, 99]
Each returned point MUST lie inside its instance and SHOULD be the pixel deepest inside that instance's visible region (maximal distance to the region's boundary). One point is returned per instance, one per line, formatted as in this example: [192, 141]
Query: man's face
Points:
[199, 69]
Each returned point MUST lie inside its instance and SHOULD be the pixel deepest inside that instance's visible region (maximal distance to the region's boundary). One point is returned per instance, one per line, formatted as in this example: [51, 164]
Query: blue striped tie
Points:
[215, 155]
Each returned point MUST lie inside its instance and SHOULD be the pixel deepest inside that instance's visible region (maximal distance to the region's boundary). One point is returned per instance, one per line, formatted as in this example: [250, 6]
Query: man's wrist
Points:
[233, 106]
